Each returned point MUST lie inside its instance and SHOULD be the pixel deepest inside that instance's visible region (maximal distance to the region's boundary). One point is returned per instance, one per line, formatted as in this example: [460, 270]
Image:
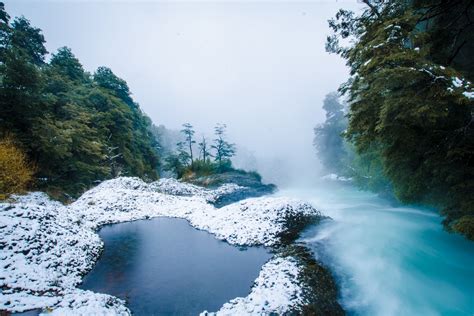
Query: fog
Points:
[259, 67]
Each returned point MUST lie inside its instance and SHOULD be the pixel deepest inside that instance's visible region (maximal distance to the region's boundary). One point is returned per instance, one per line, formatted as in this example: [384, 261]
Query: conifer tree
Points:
[223, 149]
[328, 138]
[411, 103]
[188, 133]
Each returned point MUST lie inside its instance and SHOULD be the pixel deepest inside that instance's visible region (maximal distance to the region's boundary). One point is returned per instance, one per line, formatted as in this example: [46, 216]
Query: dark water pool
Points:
[164, 266]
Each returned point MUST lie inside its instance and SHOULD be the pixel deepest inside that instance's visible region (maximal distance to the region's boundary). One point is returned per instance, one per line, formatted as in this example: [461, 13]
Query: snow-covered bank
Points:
[276, 290]
[254, 221]
[45, 252]
[175, 187]
[47, 247]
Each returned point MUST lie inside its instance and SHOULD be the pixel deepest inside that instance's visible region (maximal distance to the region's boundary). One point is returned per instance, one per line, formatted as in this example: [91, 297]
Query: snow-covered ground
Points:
[47, 247]
[175, 187]
[274, 291]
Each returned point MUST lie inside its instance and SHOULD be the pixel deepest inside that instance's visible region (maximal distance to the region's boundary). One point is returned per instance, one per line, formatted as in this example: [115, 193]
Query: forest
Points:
[407, 130]
[69, 128]
[64, 129]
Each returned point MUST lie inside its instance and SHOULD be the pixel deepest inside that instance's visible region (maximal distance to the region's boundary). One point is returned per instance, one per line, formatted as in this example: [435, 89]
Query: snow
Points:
[45, 252]
[455, 85]
[469, 95]
[47, 247]
[82, 302]
[432, 74]
[274, 291]
[457, 82]
[394, 34]
[254, 221]
[378, 45]
[175, 187]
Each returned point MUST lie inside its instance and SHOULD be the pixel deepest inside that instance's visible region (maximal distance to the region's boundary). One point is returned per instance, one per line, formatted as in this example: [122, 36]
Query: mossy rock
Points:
[319, 288]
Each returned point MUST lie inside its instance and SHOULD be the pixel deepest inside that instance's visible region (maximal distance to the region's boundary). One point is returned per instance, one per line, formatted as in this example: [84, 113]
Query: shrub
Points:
[465, 226]
[203, 168]
[15, 171]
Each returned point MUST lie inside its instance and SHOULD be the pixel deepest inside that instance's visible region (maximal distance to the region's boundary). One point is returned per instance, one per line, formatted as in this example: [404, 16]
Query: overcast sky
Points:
[260, 67]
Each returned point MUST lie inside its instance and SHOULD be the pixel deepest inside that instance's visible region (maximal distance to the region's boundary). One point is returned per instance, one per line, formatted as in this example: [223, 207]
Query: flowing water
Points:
[164, 266]
[389, 260]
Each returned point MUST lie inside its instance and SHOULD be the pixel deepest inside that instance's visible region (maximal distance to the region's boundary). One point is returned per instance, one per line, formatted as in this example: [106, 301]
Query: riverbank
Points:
[49, 246]
[388, 260]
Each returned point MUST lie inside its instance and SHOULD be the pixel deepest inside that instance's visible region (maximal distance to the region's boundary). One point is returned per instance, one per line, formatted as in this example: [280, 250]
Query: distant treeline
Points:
[189, 157]
[75, 128]
[410, 127]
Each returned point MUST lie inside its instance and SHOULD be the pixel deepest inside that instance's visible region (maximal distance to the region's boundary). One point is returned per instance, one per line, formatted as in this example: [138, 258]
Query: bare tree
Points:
[204, 149]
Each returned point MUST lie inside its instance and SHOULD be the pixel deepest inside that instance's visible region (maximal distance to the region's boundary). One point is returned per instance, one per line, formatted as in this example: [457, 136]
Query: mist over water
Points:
[258, 66]
[389, 260]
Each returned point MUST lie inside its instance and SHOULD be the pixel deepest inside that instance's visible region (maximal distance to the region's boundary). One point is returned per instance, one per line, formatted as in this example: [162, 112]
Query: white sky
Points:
[260, 67]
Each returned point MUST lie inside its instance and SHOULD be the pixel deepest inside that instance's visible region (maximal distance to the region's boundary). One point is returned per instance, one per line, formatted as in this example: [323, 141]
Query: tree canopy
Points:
[411, 98]
[328, 138]
[77, 128]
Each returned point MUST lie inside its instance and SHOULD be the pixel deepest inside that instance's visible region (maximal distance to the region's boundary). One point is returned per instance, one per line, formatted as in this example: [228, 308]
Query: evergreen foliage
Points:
[411, 101]
[76, 127]
[224, 149]
[189, 141]
[338, 156]
[328, 139]
[182, 163]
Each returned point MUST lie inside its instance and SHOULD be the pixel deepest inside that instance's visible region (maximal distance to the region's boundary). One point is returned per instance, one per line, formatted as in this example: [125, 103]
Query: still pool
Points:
[164, 266]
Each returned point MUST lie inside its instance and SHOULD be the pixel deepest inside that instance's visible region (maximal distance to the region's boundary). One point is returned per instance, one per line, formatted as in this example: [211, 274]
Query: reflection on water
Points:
[166, 267]
[390, 260]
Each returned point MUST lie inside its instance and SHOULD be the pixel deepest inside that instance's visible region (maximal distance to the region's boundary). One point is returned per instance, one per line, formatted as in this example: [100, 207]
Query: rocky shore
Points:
[47, 247]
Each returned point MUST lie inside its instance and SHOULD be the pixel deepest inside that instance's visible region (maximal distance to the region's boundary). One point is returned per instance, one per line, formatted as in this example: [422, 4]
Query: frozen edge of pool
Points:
[48, 247]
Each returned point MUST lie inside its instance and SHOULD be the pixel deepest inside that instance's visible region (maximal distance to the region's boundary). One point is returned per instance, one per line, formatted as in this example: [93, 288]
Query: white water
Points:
[389, 260]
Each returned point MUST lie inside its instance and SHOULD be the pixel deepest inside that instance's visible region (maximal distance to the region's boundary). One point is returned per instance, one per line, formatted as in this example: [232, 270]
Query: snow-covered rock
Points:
[44, 247]
[254, 221]
[80, 302]
[275, 291]
[175, 187]
[47, 247]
